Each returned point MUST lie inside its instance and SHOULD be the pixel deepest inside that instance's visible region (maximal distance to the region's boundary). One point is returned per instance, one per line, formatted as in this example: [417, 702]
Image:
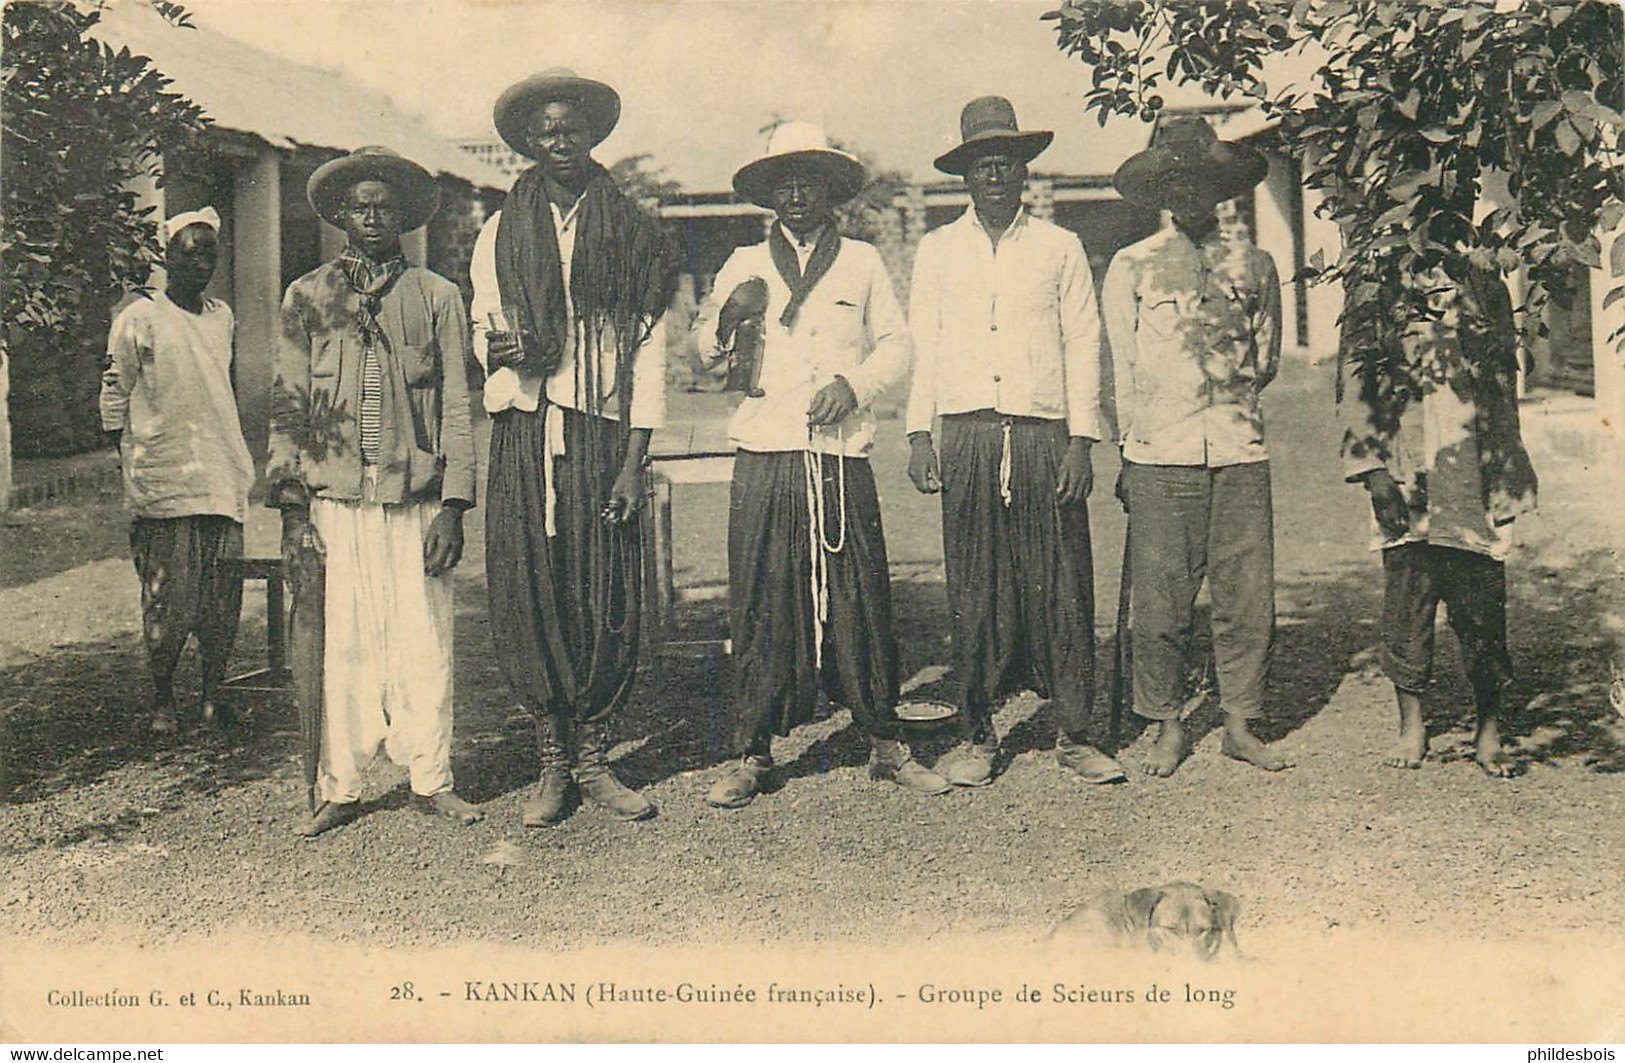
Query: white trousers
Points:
[388, 662]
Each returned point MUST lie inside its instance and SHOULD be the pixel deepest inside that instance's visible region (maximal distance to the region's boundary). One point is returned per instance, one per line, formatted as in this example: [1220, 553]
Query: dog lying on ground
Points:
[1180, 918]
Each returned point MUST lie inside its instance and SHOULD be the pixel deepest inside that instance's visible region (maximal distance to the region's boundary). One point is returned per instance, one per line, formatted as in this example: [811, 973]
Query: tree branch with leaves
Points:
[1409, 108]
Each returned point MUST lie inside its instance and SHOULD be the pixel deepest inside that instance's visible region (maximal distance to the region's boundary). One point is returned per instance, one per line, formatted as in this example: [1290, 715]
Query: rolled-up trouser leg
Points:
[1474, 589]
[1410, 603]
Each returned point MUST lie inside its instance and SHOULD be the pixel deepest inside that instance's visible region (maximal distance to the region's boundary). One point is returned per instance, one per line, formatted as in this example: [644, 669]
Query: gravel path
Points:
[109, 836]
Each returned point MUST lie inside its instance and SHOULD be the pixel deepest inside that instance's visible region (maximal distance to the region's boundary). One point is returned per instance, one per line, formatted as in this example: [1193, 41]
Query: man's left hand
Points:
[624, 496]
[443, 546]
[1077, 477]
[833, 404]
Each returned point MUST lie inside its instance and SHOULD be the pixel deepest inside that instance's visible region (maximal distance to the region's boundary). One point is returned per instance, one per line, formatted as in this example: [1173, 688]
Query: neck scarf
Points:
[622, 275]
[370, 280]
[789, 266]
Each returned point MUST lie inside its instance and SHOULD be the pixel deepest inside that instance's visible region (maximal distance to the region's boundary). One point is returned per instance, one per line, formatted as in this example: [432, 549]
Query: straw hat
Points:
[987, 125]
[1187, 162]
[799, 145]
[516, 105]
[416, 187]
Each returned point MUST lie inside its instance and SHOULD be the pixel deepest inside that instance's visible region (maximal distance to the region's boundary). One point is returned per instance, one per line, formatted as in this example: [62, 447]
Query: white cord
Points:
[818, 540]
[1004, 466]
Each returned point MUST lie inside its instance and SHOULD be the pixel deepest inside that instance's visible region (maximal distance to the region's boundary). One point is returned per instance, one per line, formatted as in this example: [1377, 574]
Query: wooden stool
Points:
[275, 675]
[661, 594]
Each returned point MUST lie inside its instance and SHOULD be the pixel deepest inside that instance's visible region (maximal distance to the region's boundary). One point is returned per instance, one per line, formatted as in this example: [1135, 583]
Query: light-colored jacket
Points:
[426, 448]
[850, 325]
[1013, 329]
[1196, 336]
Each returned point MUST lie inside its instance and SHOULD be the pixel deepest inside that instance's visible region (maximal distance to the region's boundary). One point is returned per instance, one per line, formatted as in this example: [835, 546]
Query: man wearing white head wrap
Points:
[167, 392]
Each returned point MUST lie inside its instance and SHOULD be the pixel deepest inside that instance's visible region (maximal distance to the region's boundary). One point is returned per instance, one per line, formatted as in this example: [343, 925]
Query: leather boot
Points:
[598, 784]
[891, 761]
[550, 804]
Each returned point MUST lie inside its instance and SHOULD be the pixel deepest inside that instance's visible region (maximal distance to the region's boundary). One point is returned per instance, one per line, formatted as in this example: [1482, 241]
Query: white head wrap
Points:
[207, 216]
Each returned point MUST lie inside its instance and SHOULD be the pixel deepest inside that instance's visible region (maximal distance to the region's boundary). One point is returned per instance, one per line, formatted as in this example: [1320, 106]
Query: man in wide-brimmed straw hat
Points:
[372, 464]
[1194, 322]
[809, 590]
[168, 393]
[1007, 354]
[571, 281]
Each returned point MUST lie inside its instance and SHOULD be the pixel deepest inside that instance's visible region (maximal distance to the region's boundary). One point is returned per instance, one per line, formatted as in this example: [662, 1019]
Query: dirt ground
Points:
[108, 835]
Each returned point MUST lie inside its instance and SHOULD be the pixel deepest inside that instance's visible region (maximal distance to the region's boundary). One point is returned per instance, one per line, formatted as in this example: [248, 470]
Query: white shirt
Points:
[1196, 336]
[508, 388]
[168, 387]
[1013, 329]
[850, 325]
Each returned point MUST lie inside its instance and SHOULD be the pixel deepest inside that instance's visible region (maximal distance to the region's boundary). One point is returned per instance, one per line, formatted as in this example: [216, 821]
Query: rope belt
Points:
[819, 543]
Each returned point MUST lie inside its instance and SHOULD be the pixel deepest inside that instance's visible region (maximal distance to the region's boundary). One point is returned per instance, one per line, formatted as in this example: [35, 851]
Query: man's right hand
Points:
[922, 464]
[1387, 503]
[504, 350]
[1121, 490]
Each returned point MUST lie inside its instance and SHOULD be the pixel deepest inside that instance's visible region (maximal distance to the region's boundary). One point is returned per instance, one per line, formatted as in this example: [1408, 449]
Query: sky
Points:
[700, 78]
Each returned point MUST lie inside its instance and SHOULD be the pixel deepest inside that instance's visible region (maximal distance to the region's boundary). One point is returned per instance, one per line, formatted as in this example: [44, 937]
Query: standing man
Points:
[808, 582]
[372, 465]
[571, 281]
[1007, 352]
[168, 393]
[1443, 460]
[1194, 322]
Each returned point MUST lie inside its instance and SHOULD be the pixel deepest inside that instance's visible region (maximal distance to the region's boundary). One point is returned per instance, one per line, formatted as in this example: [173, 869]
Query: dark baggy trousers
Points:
[1187, 523]
[1020, 574]
[564, 610]
[1473, 587]
[191, 584]
[773, 602]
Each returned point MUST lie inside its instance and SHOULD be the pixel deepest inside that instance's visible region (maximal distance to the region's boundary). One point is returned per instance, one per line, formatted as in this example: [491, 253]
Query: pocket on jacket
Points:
[1160, 316]
[424, 472]
[326, 354]
[418, 364]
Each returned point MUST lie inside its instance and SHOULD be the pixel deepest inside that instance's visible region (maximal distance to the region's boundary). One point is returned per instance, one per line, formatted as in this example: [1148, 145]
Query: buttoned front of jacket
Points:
[427, 441]
[851, 325]
[1195, 335]
[1012, 328]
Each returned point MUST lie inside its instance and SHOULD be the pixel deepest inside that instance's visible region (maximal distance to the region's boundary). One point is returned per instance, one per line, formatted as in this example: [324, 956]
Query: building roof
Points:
[284, 103]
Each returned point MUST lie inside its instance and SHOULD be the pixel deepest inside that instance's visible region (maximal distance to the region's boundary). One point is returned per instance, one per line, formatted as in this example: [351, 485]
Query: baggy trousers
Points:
[565, 608]
[774, 601]
[1020, 572]
[1187, 523]
[191, 584]
[388, 647]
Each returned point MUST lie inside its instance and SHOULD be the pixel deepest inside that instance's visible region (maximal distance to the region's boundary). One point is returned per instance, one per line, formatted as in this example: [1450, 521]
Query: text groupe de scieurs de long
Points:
[113, 998]
[681, 993]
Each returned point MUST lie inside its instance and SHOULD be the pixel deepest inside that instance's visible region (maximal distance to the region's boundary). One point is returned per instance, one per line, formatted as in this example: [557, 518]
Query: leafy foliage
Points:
[80, 120]
[1410, 109]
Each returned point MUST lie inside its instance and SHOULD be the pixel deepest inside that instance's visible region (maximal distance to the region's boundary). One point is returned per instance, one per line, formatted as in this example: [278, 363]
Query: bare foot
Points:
[1492, 758]
[1241, 744]
[448, 804]
[1167, 751]
[164, 721]
[331, 814]
[1409, 749]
